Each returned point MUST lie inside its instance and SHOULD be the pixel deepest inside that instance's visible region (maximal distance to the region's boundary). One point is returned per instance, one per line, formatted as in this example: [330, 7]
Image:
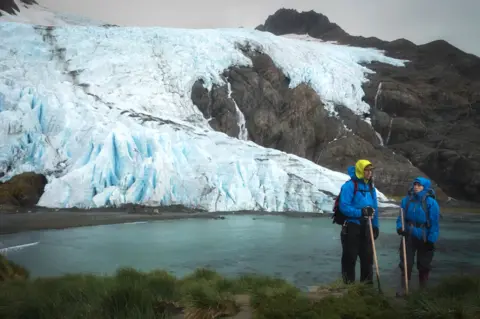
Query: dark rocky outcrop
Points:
[12, 8]
[427, 113]
[289, 21]
[296, 121]
[21, 191]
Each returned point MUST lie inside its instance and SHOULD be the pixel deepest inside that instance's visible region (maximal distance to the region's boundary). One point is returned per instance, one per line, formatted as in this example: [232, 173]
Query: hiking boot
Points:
[423, 278]
[402, 292]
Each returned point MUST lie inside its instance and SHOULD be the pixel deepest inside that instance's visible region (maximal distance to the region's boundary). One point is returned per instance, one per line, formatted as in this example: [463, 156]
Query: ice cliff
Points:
[106, 114]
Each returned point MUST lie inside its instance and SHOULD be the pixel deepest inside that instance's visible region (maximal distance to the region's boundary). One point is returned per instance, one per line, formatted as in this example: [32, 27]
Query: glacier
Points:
[106, 114]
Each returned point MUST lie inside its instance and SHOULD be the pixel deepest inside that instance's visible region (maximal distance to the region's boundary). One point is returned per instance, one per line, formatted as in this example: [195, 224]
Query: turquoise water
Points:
[305, 251]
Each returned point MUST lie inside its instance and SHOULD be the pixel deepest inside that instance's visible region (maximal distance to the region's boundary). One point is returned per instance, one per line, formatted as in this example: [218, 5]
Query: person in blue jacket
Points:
[421, 221]
[358, 202]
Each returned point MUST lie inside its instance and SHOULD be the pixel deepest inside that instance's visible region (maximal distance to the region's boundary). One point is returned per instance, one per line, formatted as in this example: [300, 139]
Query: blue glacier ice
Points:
[106, 114]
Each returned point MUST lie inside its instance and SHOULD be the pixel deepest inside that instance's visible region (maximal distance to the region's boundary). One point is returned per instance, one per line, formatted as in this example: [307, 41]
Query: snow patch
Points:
[389, 131]
[242, 124]
[379, 91]
[380, 139]
[306, 37]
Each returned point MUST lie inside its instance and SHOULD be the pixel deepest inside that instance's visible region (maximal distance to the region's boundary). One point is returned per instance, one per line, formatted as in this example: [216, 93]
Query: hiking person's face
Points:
[417, 188]
[367, 173]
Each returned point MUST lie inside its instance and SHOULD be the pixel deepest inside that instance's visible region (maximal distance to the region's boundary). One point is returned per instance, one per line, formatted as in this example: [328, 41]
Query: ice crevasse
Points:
[106, 114]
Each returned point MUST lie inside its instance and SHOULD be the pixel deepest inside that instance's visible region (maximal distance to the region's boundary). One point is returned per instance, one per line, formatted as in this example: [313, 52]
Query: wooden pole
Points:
[375, 259]
[404, 248]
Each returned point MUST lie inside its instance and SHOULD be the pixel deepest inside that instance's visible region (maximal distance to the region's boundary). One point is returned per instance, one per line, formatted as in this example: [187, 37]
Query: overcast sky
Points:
[420, 21]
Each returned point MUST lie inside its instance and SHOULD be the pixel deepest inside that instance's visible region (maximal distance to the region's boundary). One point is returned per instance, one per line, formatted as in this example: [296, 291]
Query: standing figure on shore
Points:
[421, 228]
[356, 206]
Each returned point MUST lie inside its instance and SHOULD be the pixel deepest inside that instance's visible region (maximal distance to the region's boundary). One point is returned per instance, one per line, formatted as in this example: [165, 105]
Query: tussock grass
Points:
[205, 294]
[10, 270]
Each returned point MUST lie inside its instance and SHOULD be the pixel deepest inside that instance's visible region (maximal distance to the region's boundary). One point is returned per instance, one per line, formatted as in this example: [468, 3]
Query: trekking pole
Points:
[374, 254]
[405, 271]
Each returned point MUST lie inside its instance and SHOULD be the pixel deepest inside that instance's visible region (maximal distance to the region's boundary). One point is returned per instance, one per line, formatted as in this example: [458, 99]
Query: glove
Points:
[367, 212]
[375, 233]
[401, 232]
[429, 246]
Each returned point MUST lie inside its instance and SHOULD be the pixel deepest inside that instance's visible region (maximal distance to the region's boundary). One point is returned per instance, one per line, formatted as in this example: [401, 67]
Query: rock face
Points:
[295, 121]
[11, 7]
[23, 190]
[427, 113]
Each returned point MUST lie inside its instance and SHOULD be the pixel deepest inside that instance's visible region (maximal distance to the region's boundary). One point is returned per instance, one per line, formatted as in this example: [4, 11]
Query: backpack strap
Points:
[424, 206]
[355, 188]
[425, 209]
[337, 200]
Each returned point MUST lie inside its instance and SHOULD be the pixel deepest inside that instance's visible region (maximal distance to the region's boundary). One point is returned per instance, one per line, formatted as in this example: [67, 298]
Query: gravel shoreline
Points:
[45, 219]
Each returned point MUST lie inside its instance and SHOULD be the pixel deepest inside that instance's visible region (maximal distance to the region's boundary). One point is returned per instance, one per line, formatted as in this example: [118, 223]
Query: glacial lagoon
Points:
[304, 251]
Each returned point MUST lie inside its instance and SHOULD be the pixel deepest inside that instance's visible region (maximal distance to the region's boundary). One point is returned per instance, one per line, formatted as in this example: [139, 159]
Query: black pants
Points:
[356, 242]
[415, 246]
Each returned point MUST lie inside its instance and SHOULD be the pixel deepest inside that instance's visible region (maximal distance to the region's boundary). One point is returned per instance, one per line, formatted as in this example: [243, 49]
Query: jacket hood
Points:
[425, 182]
[351, 172]
[356, 172]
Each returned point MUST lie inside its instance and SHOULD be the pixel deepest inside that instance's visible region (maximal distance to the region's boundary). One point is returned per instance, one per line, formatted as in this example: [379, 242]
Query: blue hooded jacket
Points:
[352, 206]
[416, 214]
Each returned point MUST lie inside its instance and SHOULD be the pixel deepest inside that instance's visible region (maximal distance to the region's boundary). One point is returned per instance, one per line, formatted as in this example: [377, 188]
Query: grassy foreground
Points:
[205, 294]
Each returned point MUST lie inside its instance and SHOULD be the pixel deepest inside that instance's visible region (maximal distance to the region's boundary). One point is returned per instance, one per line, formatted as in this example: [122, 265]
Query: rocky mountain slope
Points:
[31, 12]
[425, 116]
[12, 6]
